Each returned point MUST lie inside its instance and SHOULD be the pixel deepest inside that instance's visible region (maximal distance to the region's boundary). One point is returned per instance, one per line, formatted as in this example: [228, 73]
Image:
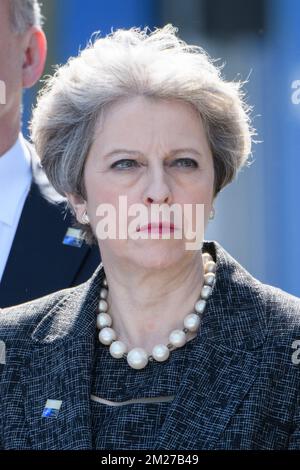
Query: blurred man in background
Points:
[39, 250]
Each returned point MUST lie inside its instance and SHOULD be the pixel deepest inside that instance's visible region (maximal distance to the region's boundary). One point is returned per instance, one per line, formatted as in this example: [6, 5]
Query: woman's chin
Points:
[158, 257]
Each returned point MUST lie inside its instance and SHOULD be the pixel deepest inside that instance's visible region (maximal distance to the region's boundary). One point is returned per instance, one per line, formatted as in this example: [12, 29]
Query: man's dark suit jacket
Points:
[240, 389]
[39, 263]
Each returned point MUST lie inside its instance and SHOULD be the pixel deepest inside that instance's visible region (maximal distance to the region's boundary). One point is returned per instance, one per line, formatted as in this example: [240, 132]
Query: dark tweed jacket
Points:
[240, 391]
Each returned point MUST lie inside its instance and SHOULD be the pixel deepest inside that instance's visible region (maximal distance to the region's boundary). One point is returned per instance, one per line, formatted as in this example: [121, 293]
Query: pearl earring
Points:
[85, 218]
[212, 214]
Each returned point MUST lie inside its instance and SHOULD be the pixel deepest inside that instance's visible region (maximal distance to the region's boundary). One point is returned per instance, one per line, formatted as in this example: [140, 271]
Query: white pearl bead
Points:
[206, 292]
[104, 282]
[177, 338]
[209, 278]
[206, 257]
[103, 319]
[160, 352]
[117, 349]
[192, 322]
[137, 358]
[103, 306]
[200, 306]
[107, 336]
[103, 293]
[210, 267]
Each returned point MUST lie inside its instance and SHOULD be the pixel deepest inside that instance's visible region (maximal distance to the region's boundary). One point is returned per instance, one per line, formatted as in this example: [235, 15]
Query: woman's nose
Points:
[158, 190]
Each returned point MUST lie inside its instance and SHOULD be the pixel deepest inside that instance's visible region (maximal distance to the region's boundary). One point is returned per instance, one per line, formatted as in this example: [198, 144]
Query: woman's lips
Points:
[160, 228]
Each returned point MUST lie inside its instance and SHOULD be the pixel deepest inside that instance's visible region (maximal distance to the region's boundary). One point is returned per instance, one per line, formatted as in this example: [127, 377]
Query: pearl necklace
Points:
[138, 358]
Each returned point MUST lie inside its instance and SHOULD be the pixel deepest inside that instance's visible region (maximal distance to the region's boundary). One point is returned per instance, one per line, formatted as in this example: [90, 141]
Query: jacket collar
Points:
[223, 367]
[74, 316]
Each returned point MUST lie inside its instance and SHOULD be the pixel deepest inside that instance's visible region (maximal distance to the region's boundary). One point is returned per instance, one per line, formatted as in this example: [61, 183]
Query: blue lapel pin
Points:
[73, 237]
[51, 409]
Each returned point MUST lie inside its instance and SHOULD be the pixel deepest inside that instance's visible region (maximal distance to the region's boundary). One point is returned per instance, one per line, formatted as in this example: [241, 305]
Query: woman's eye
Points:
[125, 164]
[186, 163]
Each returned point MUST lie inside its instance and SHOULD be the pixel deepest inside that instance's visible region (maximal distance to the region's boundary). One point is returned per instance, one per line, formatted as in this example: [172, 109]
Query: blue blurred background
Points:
[257, 217]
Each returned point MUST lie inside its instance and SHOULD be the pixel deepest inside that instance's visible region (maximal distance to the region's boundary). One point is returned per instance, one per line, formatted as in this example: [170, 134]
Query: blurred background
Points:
[257, 217]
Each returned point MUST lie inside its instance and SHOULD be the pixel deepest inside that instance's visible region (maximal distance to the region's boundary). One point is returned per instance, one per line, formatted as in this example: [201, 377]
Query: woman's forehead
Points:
[131, 124]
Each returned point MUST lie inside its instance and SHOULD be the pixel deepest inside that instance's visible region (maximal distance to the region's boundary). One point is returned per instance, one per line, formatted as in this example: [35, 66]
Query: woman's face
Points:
[161, 156]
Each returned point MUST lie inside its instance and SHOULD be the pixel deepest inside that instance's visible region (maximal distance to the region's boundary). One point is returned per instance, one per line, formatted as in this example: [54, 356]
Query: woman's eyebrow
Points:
[114, 152]
[171, 153]
[185, 150]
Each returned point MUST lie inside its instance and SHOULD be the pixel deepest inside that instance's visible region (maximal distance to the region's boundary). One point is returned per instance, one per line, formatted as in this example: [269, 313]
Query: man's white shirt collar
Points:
[15, 179]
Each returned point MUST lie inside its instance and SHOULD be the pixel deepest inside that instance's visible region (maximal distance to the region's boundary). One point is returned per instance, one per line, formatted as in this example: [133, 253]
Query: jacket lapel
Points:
[208, 397]
[60, 368]
[225, 362]
[62, 373]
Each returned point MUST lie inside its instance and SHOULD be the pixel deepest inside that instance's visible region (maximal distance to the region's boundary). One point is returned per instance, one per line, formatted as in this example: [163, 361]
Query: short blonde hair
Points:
[129, 63]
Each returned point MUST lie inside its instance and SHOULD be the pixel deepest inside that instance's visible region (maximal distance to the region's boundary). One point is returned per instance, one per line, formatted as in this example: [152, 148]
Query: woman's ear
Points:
[79, 206]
